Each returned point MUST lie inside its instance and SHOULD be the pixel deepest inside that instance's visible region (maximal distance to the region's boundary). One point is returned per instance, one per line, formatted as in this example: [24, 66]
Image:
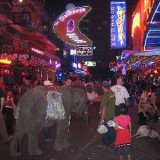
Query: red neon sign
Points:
[67, 26]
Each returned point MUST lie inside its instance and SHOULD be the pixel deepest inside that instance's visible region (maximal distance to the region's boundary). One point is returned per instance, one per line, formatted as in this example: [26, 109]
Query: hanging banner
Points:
[118, 24]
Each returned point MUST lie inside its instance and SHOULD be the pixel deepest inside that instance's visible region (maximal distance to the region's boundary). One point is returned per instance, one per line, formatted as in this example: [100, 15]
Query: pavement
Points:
[85, 143]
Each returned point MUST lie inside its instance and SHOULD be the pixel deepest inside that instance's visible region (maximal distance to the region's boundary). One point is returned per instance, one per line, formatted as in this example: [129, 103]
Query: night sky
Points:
[97, 28]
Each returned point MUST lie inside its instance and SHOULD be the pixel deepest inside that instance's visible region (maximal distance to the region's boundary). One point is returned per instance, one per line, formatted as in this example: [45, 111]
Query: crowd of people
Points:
[111, 101]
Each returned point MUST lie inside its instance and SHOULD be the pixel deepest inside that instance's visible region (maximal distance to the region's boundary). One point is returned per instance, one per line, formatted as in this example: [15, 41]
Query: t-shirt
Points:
[8, 103]
[123, 121]
[108, 101]
[121, 93]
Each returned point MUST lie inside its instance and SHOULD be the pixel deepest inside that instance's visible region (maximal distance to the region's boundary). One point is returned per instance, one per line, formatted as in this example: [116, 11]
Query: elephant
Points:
[31, 120]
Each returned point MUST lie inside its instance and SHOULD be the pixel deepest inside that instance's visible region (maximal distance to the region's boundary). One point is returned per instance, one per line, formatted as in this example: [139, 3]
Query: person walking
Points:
[3, 132]
[107, 111]
[121, 93]
[157, 98]
[9, 108]
[123, 135]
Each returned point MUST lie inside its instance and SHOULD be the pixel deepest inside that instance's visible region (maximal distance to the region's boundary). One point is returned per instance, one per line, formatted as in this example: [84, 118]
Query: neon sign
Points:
[67, 26]
[82, 51]
[136, 23]
[148, 4]
[151, 39]
[118, 24]
[37, 51]
[155, 13]
[5, 61]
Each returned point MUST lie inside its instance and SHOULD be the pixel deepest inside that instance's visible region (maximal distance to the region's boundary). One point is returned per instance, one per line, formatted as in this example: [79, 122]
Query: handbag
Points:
[102, 129]
[55, 108]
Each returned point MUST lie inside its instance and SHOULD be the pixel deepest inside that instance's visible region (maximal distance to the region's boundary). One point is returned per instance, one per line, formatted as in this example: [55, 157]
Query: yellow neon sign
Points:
[5, 61]
[135, 23]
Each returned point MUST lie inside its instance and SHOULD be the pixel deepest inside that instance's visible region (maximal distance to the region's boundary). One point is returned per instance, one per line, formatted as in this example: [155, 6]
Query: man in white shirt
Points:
[120, 91]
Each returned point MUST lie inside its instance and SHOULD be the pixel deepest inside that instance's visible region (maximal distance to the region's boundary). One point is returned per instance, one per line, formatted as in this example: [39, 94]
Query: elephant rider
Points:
[63, 125]
[3, 131]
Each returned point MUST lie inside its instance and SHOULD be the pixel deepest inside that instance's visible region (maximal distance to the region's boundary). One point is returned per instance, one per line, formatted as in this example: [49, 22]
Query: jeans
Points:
[47, 133]
[109, 137]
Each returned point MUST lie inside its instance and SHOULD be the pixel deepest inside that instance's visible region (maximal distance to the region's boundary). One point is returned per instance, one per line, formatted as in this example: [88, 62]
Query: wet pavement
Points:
[85, 144]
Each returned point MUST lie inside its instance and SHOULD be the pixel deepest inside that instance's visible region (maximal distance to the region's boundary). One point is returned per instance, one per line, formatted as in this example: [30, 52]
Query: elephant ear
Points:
[79, 101]
[24, 99]
[33, 100]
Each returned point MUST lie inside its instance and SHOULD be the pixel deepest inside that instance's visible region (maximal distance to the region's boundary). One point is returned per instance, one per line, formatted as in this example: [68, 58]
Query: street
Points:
[85, 141]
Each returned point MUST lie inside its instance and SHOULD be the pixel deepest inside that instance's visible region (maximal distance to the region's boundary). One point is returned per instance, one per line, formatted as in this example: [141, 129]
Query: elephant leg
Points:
[85, 119]
[15, 143]
[33, 148]
[61, 140]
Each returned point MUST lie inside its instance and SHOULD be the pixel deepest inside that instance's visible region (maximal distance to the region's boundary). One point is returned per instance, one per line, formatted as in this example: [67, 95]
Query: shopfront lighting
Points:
[5, 61]
[37, 51]
[136, 23]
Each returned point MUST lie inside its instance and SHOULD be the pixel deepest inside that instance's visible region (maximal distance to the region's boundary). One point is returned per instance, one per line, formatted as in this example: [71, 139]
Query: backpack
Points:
[55, 108]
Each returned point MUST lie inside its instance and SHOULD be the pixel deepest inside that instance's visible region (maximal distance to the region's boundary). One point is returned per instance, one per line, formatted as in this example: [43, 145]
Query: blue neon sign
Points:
[118, 24]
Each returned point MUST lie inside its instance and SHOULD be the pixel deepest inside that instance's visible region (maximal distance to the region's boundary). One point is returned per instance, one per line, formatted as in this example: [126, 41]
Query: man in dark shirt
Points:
[157, 98]
[3, 131]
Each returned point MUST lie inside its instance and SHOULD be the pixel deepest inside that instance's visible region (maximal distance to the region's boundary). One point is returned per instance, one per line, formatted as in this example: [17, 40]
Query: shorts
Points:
[123, 150]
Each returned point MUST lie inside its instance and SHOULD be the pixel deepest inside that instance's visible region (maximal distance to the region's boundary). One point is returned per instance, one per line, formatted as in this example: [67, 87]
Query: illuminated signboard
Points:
[82, 51]
[37, 51]
[118, 24]
[67, 26]
[90, 63]
[148, 4]
[135, 24]
[152, 33]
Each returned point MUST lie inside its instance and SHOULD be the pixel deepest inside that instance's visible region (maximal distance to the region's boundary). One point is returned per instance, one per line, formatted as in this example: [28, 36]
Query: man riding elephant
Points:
[32, 117]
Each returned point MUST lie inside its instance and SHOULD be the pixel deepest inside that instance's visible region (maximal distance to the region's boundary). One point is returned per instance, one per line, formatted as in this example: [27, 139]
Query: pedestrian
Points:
[121, 93]
[123, 133]
[157, 98]
[8, 110]
[2, 84]
[107, 111]
[63, 125]
[3, 131]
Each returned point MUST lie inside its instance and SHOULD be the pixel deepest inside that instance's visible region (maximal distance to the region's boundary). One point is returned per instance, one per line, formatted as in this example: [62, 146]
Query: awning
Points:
[40, 40]
[31, 39]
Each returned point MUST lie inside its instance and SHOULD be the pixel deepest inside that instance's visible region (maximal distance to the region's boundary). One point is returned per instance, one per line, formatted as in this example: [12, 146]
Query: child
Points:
[123, 134]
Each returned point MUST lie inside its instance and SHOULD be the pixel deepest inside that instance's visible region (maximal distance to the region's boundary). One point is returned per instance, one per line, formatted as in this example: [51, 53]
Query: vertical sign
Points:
[117, 24]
